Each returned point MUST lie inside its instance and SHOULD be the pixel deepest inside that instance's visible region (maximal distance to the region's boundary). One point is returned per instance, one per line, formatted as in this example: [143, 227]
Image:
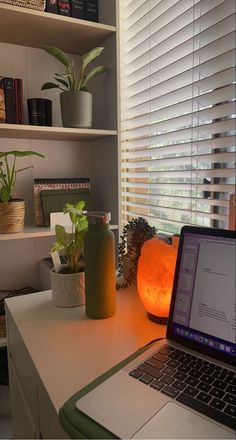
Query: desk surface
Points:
[69, 349]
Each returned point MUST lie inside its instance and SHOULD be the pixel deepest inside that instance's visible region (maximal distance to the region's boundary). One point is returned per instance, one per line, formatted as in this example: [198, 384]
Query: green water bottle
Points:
[100, 279]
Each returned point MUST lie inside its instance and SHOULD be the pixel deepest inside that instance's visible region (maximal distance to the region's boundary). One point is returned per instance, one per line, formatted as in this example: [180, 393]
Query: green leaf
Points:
[94, 72]
[62, 81]
[5, 194]
[90, 56]
[2, 175]
[63, 237]
[17, 153]
[56, 247]
[80, 205]
[58, 54]
[82, 225]
[49, 85]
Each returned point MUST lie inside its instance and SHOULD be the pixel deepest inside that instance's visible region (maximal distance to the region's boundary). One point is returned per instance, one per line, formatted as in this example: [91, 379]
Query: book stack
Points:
[83, 9]
[11, 100]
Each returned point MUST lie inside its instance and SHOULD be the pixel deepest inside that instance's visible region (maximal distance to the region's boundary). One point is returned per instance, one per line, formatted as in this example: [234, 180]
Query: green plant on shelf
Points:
[8, 171]
[69, 81]
[72, 244]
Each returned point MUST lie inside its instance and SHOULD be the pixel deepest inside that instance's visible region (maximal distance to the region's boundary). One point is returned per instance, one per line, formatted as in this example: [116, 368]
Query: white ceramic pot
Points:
[67, 289]
[76, 109]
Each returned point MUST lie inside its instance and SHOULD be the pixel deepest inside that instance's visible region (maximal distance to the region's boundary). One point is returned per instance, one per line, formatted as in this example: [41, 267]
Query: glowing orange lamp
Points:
[155, 275]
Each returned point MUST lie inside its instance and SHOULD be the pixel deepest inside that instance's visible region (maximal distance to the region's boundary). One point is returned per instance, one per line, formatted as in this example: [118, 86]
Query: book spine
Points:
[91, 10]
[63, 7]
[2, 102]
[18, 95]
[77, 9]
[9, 100]
[51, 6]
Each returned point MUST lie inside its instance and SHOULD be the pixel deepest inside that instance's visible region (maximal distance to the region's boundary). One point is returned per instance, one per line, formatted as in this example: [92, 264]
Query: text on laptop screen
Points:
[204, 309]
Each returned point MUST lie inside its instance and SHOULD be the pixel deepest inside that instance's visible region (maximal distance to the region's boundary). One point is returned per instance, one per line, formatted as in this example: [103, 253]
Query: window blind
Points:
[177, 111]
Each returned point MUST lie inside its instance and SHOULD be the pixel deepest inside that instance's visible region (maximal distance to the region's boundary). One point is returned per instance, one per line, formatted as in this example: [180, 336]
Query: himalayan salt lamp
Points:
[155, 275]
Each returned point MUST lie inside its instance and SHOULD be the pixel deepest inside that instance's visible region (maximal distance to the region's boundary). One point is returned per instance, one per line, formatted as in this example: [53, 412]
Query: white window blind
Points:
[177, 111]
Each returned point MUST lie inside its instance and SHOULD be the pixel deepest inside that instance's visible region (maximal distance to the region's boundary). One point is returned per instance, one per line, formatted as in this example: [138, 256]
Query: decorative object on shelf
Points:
[91, 10]
[68, 280]
[63, 7]
[51, 6]
[59, 190]
[12, 211]
[40, 111]
[75, 99]
[134, 234]
[2, 102]
[11, 91]
[99, 255]
[77, 9]
[155, 274]
[39, 5]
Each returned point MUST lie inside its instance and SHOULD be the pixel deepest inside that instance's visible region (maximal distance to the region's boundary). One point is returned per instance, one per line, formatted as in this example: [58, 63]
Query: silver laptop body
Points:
[183, 386]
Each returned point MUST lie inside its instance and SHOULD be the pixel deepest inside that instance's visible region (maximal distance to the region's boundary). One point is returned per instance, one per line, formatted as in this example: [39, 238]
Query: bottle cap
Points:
[98, 217]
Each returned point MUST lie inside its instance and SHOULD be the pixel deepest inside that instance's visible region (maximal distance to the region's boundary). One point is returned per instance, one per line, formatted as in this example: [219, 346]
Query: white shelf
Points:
[27, 27]
[18, 131]
[3, 342]
[34, 232]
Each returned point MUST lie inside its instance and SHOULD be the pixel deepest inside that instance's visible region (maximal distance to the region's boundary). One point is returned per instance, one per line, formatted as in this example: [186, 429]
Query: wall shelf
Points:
[35, 232]
[18, 131]
[27, 27]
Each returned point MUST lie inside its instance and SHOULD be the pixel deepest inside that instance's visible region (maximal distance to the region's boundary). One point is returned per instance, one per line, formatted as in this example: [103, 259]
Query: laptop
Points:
[185, 385]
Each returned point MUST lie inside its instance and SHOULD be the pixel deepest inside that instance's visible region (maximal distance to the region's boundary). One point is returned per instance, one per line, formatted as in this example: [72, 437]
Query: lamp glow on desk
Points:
[155, 276]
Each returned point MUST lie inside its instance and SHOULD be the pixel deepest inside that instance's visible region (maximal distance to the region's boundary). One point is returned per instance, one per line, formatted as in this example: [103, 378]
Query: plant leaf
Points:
[58, 54]
[90, 56]
[63, 237]
[20, 153]
[80, 205]
[62, 81]
[5, 194]
[94, 72]
[49, 85]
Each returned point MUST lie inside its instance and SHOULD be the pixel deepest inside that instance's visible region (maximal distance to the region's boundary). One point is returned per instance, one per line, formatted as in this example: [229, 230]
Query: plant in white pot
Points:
[75, 99]
[68, 280]
[12, 210]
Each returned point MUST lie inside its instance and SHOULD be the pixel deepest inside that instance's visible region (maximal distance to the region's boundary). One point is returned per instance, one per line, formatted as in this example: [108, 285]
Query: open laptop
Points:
[185, 385]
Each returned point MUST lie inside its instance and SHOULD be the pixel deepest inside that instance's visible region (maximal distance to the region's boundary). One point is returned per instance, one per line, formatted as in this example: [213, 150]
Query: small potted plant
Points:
[75, 99]
[12, 210]
[134, 234]
[68, 280]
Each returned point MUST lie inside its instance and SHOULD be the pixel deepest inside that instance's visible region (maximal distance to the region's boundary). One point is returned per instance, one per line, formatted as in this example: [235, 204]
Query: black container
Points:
[40, 111]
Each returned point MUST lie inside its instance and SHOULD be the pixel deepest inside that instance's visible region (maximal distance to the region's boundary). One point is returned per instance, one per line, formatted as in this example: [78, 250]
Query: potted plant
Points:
[75, 99]
[12, 210]
[134, 234]
[68, 281]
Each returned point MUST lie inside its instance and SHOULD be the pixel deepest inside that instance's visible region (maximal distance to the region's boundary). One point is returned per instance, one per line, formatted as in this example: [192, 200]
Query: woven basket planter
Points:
[12, 216]
[38, 5]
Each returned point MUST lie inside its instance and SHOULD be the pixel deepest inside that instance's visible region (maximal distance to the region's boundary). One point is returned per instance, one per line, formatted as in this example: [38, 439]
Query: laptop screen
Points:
[203, 305]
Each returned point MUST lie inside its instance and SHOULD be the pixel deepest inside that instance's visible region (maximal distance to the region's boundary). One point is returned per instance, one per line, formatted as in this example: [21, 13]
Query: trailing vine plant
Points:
[139, 231]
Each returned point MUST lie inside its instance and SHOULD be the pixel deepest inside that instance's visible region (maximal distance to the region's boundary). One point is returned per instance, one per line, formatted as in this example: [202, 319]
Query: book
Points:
[63, 7]
[51, 6]
[91, 10]
[77, 9]
[8, 84]
[2, 102]
[18, 95]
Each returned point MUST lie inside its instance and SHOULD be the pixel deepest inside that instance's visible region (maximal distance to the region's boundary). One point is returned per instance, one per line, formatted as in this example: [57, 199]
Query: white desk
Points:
[54, 352]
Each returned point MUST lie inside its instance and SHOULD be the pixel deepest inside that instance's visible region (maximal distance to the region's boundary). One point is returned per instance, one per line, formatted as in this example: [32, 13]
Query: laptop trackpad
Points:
[174, 421]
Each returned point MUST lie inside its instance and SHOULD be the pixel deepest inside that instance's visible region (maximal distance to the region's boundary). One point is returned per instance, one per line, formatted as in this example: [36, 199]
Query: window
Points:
[177, 111]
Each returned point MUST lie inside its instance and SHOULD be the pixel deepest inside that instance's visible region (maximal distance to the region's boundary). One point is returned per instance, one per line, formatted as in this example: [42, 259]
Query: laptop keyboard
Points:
[193, 381]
